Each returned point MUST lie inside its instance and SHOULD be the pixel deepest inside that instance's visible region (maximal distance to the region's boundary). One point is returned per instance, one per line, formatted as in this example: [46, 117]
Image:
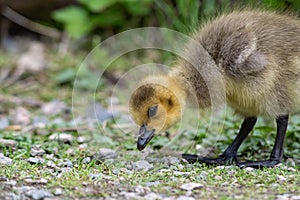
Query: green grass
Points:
[218, 182]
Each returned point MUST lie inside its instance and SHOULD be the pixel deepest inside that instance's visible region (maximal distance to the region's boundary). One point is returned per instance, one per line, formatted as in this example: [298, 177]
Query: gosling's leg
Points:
[277, 152]
[230, 154]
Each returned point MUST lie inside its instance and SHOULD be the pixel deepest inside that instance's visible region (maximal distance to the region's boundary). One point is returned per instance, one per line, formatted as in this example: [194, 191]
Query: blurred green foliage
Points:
[98, 16]
[81, 19]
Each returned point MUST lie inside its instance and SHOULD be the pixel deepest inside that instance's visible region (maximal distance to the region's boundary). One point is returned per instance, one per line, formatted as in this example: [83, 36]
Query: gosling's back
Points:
[258, 54]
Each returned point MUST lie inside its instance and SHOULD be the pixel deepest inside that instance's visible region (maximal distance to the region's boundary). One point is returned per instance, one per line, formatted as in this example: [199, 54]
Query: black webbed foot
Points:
[259, 164]
[222, 160]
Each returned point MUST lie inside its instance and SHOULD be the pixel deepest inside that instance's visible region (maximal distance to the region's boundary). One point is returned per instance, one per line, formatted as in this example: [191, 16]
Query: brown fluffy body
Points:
[257, 54]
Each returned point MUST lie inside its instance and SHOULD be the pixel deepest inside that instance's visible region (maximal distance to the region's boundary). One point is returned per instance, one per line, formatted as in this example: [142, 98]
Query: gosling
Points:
[257, 54]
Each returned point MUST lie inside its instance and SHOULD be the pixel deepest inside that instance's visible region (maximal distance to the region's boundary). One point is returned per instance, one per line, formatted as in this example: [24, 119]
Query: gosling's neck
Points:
[196, 92]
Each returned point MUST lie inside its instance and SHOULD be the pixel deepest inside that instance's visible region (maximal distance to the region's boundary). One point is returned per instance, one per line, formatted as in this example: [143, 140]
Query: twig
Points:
[26, 23]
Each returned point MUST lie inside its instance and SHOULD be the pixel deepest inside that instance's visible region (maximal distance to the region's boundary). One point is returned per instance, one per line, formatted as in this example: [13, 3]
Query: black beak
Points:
[144, 138]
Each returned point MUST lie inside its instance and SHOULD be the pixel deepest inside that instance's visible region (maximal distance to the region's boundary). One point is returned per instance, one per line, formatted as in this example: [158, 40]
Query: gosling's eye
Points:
[152, 111]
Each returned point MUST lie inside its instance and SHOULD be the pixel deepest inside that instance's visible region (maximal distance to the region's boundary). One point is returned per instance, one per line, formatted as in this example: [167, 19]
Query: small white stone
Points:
[5, 160]
[191, 186]
[50, 164]
[281, 178]
[11, 182]
[43, 181]
[185, 198]
[58, 191]
[178, 173]
[37, 151]
[62, 137]
[105, 153]
[81, 139]
[8, 143]
[35, 160]
[249, 169]
[142, 165]
[152, 196]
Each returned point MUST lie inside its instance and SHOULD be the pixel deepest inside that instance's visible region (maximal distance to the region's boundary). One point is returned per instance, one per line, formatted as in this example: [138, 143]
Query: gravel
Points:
[191, 186]
[33, 160]
[105, 154]
[5, 160]
[8, 143]
[58, 192]
[37, 151]
[54, 107]
[38, 194]
[39, 181]
[86, 160]
[142, 165]
[154, 183]
[62, 137]
[20, 116]
[4, 122]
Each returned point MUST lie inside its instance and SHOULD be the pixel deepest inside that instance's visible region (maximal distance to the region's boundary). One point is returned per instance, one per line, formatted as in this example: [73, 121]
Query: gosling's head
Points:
[155, 108]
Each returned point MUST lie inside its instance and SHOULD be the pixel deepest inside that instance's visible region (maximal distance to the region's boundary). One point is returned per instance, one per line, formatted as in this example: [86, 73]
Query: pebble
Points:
[50, 164]
[32, 60]
[185, 198]
[24, 189]
[3, 123]
[82, 146]
[96, 176]
[152, 196]
[125, 170]
[11, 182]
[5, 160]
[249, 169]
[128, 195]
[86, 160]
[63, 171]
[170, 198]
[3, 178]
[54, 107]
[58, 191]
[289, 168]
[40, 181]
[202, 175]
[81, 139]
[281, 178]
[170, 160]
[20, 116]
[287, 197]
[142, 165]
[105, 154]
[115, 172]
[38, 194]
[40, 131]
[153, 183]
[50, 156]
[40, 121]
[140, 189]
[8, 143]
[191, 186]
[67, 163]
[185, 174]
[62, 137]
[32, 160]
[37, 151]
[12, 195]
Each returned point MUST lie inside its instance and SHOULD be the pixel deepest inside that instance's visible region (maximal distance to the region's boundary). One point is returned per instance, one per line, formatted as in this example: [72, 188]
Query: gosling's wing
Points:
[239, 55]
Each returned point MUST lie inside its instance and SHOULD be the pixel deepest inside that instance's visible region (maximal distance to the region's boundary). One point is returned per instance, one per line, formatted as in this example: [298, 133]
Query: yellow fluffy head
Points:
[155, 106]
